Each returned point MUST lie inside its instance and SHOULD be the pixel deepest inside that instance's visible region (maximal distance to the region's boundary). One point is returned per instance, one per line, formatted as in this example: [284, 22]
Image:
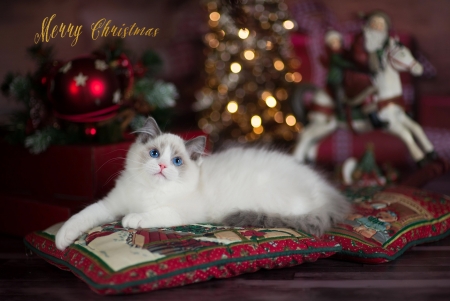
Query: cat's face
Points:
[164, 159]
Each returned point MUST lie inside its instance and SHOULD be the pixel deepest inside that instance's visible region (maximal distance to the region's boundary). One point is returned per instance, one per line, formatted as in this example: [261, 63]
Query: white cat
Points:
[167, 182]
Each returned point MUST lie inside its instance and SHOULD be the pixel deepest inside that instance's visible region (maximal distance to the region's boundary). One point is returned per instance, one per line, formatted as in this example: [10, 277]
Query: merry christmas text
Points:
[101, 28]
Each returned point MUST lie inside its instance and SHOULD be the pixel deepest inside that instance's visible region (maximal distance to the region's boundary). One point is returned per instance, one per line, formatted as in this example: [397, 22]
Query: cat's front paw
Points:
[133, 220]
[66, 236]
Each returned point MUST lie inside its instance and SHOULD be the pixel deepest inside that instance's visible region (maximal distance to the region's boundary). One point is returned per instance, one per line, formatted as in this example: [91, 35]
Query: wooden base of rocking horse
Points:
[422, 176]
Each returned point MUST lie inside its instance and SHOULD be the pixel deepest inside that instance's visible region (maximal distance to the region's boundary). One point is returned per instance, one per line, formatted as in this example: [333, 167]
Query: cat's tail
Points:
[316, 222]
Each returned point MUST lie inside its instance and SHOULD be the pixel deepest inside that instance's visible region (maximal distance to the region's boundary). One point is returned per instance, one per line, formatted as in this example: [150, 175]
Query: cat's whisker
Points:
[143, 132]
[135, 161]
[109, 161]
[114, 175]
[116, 150]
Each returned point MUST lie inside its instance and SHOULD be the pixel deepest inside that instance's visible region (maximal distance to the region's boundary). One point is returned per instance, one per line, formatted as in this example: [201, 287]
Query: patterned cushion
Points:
[388, 221]
[115, 260]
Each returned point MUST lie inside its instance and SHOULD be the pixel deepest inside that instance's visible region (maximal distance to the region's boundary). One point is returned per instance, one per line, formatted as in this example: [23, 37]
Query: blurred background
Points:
[183, 25]
[201, 74]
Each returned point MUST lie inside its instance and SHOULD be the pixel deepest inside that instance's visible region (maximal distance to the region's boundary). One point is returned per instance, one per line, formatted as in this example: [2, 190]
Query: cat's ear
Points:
[149, 131]
[196, 147]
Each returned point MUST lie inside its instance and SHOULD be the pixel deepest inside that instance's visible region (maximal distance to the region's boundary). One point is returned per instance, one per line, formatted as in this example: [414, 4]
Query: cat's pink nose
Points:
[162, 166]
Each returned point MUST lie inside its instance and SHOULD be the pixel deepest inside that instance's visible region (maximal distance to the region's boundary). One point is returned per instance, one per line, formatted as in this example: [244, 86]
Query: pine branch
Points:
[20, 88]
[156, 93]
[152, 61]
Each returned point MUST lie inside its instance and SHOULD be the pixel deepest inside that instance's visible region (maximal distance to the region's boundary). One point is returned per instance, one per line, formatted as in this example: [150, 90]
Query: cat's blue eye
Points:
[177, 161]
[154, 153]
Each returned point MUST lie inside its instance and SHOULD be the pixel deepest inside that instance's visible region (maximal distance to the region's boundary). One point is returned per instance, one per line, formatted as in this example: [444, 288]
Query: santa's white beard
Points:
[374, 39]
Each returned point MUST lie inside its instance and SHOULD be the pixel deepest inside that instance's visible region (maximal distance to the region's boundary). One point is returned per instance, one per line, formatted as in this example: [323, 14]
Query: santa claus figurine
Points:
[366, 54]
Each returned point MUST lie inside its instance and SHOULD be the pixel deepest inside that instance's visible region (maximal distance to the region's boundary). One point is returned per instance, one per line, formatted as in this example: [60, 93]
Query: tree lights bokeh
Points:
[249, 72]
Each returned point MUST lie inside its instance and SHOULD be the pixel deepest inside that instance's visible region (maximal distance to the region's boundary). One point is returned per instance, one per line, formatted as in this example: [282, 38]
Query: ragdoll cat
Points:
[167, 182]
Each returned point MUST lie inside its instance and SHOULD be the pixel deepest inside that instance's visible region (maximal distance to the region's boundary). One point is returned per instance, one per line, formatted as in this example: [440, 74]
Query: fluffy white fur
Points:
[238, 186]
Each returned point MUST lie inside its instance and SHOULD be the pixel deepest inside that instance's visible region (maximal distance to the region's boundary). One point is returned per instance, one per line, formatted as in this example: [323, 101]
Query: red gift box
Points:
[75, 172]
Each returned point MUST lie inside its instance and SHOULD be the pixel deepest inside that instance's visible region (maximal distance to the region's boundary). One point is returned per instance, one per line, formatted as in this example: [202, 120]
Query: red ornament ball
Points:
[84, 86]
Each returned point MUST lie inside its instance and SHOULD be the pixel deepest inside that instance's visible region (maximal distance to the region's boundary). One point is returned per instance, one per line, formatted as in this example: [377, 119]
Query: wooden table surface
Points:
[422, 273]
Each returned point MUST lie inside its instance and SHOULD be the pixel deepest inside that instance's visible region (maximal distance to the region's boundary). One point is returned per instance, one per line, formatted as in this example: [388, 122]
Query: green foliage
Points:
[156, 93]
[41, 53]
[40, 140]
[137, 122]
[112, 49]
[152, 61]
[20, 88]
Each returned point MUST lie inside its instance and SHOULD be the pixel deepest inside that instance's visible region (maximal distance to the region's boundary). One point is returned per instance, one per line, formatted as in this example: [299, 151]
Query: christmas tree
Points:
[249, 69]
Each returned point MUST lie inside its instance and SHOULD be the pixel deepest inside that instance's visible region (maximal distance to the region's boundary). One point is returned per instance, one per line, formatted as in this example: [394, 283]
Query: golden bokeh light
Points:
[288, 77]
[249, 55]
[290, 120]
[265, 94]
[278, 117]
[288, 24]
[278, 65]
[243, 33]
[265, 25]
[273, 17]
[281, 94]
[256, 121]
[214, 16]
[215, 116]
[232, 106]
[271, 102]
[258, 130]
[296, 77]
[212, 23]
[213, 43]
[202, 123]
[223, 89]
[235, 67]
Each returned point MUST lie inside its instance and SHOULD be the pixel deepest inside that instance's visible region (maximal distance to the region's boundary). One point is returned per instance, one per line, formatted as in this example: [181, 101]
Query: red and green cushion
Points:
[387, 221]
[116, 260]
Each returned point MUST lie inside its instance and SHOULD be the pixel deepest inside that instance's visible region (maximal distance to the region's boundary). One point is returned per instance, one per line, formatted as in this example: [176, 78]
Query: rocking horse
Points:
[387, 93]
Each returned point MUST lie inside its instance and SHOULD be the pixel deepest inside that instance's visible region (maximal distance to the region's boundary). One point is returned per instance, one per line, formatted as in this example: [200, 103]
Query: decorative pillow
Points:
[116, 260]
[388, 221]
